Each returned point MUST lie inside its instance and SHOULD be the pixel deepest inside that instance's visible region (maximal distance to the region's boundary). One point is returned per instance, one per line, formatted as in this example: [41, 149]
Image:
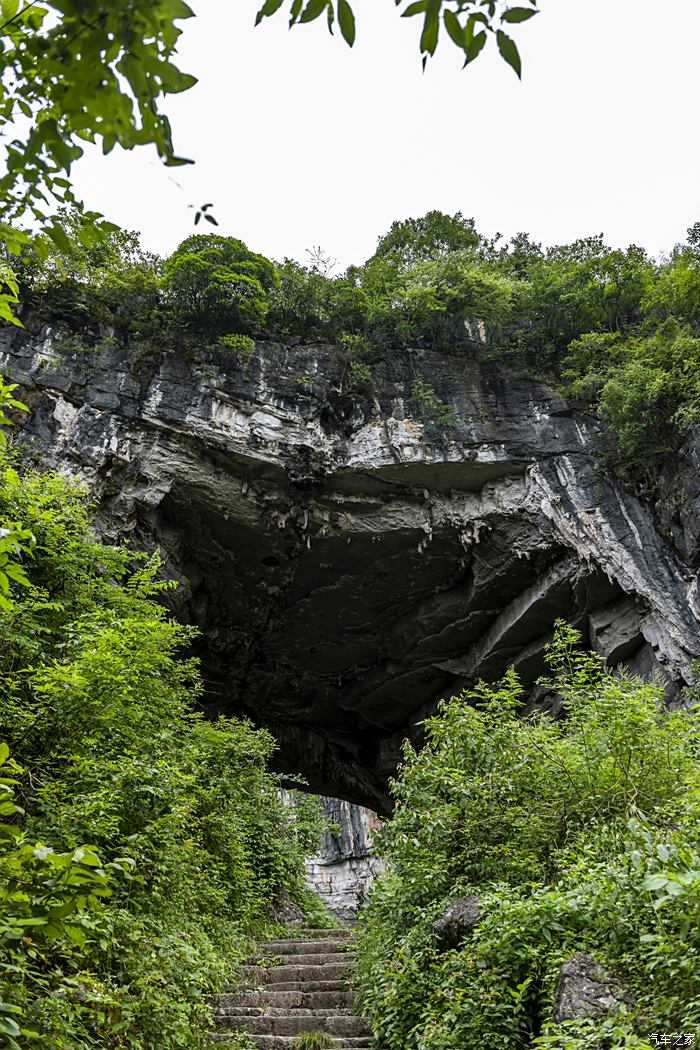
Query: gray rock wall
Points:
[343, 870]
[347, 561]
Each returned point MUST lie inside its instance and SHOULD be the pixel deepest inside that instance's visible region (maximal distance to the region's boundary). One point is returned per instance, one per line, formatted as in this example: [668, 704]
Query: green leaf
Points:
[431, 28]
[59, 237]
[475, 46]
[346, 20]
[509, 51]
[416, 8]
[4, 753]
[267, 9]
[313, 10]
[518, 14]
[455, 29]
[655, 882]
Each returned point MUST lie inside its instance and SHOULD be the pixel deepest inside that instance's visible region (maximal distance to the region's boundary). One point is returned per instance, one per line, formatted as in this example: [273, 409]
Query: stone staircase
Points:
[306, 991]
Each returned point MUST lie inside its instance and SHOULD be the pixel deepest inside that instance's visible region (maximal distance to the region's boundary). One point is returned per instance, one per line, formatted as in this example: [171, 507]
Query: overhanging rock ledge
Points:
[348, 562]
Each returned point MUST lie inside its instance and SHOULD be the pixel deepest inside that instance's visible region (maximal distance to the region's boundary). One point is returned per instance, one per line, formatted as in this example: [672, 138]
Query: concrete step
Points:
[292, 998]
[334, 970]
[296, 1023]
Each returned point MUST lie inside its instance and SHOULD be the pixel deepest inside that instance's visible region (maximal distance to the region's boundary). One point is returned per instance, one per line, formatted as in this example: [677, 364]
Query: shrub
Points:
[239, 346]
[98, 704]
[579, 834]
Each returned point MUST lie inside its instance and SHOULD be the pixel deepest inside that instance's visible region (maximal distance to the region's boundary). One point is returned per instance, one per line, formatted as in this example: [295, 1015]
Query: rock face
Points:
[347, 561]
[585, 989]
[461, 918]
[343, 870]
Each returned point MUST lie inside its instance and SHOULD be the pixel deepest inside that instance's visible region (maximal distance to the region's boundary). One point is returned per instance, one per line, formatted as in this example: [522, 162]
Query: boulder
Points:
[458, 922]
[585, 989]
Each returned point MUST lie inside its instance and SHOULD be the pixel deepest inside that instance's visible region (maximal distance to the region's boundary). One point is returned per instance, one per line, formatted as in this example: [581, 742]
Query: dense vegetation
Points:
[142, 846]
[618, 330]
[581, 834]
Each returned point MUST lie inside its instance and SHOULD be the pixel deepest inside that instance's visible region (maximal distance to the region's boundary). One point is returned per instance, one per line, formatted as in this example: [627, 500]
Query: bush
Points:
[98, 704]
[579, 834]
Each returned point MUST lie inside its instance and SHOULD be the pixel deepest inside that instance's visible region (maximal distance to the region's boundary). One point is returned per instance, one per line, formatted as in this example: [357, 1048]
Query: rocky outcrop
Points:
[345, 866]
[458, 921]
[585, 989]
[346, 560]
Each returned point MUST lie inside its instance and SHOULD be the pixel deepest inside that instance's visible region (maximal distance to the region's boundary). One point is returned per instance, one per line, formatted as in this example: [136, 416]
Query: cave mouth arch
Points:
[341, 641]
[347, 561]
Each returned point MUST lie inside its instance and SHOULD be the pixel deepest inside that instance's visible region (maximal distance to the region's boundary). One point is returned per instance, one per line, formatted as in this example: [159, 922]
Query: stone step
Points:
[317, 946]
[241, 1012]
[335, 931]
[273, 997]
[338, 933]
[296, 1023]
[285, 1042]
[281, 1011]
[333, 970]
[304, 959]
[292, 986]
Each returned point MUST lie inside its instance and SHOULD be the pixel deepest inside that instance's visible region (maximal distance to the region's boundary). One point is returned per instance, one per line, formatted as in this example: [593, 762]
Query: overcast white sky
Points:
[300, 141]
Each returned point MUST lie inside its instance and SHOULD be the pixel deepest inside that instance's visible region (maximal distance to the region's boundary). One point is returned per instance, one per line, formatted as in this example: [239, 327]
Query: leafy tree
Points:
[307, 304]
[430, 237]
[454, 300]
[217, 285]
[676, 290]
[583, 287]
[85, 284]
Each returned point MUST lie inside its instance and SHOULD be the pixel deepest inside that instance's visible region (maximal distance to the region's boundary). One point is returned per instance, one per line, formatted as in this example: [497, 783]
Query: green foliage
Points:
[98, 705]
[313, 1041]
[51, 906]
[214, 285]
[72, 72]
[360, 375]
[648, 388]
[239, 346]
[468, 23]
[9, 295]
[430, 237]
[432, 408]
[618, 331]
[85, 284]
[580, 834]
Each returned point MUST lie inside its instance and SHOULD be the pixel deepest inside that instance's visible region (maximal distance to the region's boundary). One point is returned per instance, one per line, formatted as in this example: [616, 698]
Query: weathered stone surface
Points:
[288, 911]
[585, 989]
[458, 922]
[346, 561]
[345, 866]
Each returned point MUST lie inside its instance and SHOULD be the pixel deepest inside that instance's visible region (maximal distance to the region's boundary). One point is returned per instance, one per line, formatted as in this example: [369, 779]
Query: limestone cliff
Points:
[349, 562]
